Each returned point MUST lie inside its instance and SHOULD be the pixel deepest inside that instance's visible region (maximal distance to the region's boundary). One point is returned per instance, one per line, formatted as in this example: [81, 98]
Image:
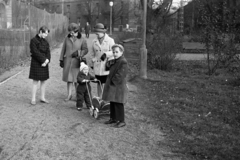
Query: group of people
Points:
[106, 60]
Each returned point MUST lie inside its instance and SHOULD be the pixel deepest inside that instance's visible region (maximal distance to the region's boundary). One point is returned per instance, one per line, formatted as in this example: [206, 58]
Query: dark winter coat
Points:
[87, 28]
[115, 89]
[71, 65]
[40, 51]
[81, 76]
[82, 93]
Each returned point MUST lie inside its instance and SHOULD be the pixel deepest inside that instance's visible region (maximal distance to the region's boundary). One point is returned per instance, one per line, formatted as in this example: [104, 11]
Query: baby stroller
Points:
[98, 106]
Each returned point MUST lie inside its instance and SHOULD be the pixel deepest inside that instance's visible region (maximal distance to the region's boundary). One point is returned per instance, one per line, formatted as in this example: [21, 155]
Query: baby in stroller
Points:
[84, 87]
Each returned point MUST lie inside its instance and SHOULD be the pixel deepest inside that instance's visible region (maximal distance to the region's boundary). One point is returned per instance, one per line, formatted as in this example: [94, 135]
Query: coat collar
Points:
[120, 58]
[37, 36]
[106, 38]
[82, 74]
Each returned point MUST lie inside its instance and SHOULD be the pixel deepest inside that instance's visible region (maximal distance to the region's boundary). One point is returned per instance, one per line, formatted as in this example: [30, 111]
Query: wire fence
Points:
[25, 21]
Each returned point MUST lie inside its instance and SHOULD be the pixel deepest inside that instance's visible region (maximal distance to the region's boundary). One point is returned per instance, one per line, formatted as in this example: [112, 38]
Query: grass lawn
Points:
[200, 115]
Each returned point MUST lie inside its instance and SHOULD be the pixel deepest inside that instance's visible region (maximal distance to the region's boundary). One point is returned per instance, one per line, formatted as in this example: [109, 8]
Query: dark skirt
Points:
[37, 72]
[102, 79]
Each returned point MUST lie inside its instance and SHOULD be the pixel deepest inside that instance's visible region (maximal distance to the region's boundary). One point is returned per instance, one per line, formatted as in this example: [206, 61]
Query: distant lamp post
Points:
[110, 4]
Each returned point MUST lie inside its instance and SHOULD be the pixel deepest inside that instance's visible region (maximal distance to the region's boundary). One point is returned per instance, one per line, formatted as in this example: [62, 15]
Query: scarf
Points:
[101, 39]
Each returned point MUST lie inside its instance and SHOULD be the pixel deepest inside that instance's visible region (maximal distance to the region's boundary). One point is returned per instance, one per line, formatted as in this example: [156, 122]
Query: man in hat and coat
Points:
[87, 29]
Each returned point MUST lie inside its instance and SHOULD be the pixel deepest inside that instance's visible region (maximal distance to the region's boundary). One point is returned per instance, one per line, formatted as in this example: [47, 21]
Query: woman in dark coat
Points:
[115, 89]
[40, 58]
[73, 50]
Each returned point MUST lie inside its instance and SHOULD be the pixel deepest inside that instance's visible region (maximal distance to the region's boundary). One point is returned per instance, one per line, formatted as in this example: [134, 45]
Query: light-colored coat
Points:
[97, 51]
[115, 89]
[71, 65]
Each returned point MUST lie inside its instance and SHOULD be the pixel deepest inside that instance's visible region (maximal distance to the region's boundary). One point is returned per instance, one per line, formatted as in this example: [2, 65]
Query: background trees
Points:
[163, 43]
[219, 25]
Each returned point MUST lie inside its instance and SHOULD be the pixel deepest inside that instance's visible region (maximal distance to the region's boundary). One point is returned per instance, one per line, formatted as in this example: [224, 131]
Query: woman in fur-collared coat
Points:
[115, 89]
[73, 50]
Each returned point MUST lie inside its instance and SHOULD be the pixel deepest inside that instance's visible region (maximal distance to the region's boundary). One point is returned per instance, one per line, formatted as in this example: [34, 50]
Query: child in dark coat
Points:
[115, 90]
[84, 87]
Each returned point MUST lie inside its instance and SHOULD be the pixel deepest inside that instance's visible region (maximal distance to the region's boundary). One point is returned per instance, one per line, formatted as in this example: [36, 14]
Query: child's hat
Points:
[119, 46]
[82, 66]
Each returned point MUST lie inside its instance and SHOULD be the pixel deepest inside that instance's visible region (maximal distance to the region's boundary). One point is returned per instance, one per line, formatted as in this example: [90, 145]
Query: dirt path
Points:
[57, 131]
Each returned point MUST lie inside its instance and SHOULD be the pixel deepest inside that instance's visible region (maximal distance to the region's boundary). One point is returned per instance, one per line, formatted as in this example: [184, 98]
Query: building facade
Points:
[124, 12]
[5, 14]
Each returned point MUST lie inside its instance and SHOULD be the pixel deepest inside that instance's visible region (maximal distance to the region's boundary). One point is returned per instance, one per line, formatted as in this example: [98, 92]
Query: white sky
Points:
[178, 1]
[175, 5]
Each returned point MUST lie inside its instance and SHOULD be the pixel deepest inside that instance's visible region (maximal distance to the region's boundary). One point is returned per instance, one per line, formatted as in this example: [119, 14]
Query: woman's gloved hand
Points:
[61, 64]
[103, 57]
[83, 59]
[75, 54]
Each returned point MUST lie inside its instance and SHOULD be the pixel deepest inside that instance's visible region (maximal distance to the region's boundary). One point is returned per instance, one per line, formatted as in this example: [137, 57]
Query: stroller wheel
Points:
[95, 114]
[91, 111]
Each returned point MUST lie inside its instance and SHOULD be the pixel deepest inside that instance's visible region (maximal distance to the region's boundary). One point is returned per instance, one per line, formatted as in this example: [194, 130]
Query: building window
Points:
[68, 7]
[53, 9]
[58, 9]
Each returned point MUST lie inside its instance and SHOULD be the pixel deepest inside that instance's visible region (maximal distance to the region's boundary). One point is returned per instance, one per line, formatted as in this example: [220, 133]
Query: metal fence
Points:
[23, 25]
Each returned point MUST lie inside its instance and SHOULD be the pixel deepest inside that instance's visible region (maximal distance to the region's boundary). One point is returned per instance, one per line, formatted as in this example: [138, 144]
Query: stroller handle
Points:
[98, 82]
[89, 91]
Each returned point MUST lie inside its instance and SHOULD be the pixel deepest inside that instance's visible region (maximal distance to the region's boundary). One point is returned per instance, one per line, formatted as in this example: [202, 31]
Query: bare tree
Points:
[220, 32]
[162, 44]
[92, 10]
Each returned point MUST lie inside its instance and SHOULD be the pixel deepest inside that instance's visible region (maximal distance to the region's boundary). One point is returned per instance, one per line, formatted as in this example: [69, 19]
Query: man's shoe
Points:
[79, 109]
[119, 124]
[110, 121]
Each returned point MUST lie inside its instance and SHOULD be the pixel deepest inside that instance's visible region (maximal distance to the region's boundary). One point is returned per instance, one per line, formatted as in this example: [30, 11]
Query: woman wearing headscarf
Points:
[73, 50]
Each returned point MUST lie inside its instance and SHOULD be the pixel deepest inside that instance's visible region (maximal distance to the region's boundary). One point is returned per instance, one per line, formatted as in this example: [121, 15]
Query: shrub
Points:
[162, 50]
[220, 34]
[120, 36]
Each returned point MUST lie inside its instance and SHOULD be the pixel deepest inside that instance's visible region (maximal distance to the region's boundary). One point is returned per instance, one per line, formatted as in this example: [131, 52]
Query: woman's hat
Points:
[100, 28]
[73, 27]
[82, 66]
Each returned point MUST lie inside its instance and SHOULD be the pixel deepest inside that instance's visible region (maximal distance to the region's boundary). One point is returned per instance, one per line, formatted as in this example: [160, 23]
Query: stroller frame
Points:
[98, 106]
